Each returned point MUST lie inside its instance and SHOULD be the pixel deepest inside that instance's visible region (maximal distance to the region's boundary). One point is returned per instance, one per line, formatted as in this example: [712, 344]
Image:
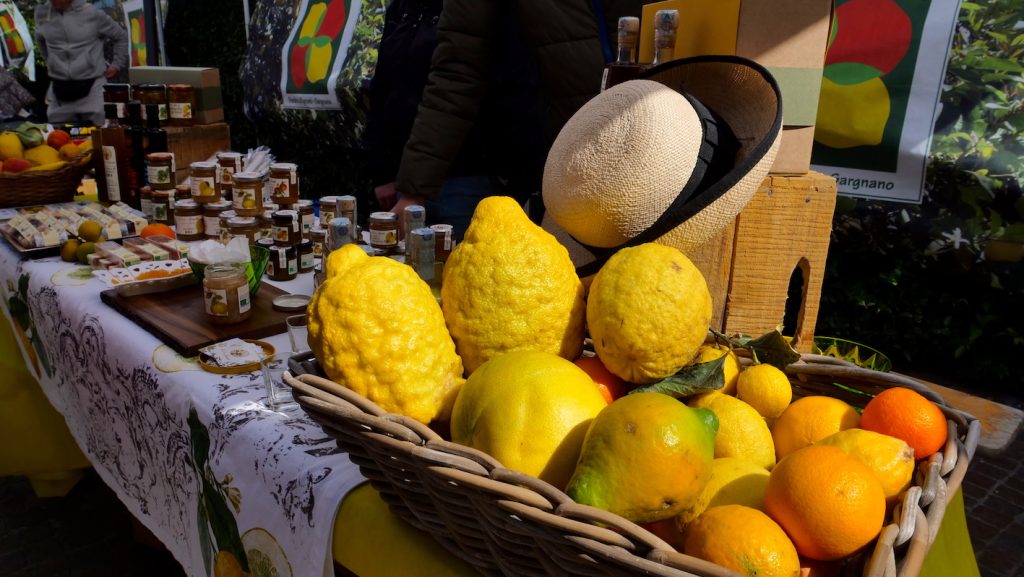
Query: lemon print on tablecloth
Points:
[837, 127]
[167, 360]
[71, 276]
[265, 555]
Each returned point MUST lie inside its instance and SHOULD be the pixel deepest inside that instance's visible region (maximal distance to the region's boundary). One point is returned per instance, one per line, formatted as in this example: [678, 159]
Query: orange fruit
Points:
[829, 503]
[157, 229]
[610, 385]
[742, 539]
[809, 420]
[908, 415]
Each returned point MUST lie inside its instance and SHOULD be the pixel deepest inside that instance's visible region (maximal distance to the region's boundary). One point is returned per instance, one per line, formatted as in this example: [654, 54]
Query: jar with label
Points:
[306, 261]
[162, 211]
[181, 103]
[266, 225]
[338, 233]
[415, 217]
[327, 210]
[318, 238]
[211, 217]
[204, 182]
[247, 193]
[118, 95]
[347, 208]
[384, 232]
[226, 294]
[284, 182]
[230, 163]
[224, 218]
[152, 94]
[243, 226]
[287, 231]
[188, 220]
[146, 202]
[286, 264]
[306, 216]
[267, 243]
[160, 170]
[444, 241]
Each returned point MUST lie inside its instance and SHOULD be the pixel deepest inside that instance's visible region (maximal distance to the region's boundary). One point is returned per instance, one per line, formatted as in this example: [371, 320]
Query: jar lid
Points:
[272, 207]
[284, 166]
[304, 243]
[229, 154]
[303, 203]
[160, 157]
[328, 199]
[114, 86]
[291, 303]
[180, 87]
[289, 213]
[384, 216]
[220, 205]
[162, 193]
[442, 228]
[415, 209]
[267, 215]
[186, 204]
[149, 86]
[146, 190]
[348, 201]
[266, 242]
[318, 233]
[203, 165]
[242, 221]
[247, 176]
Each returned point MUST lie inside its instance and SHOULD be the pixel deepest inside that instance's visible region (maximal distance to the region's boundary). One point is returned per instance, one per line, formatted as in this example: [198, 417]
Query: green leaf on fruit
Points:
[690, 380]
[770, 348]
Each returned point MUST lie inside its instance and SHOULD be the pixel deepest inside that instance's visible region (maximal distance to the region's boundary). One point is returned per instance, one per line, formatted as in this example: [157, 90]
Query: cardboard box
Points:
[195, 144]
[209, 106]
[788, 37]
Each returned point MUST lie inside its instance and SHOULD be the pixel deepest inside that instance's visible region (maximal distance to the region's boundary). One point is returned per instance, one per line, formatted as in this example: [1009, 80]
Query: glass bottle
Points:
[665, 24]
[625, 67]
[112, 164]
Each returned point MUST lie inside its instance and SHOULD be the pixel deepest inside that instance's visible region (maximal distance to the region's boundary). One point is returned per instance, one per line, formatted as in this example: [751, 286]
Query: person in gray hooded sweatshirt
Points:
[70, 35]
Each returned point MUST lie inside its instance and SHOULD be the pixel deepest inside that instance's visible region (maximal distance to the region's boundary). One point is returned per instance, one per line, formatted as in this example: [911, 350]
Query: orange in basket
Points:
[908, 415]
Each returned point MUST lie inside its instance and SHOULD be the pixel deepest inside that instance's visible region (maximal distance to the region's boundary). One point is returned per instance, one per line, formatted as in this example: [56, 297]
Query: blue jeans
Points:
[458, 199]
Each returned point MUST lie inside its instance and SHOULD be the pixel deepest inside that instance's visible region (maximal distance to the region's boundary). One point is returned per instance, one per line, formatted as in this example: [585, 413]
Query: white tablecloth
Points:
[198, 458]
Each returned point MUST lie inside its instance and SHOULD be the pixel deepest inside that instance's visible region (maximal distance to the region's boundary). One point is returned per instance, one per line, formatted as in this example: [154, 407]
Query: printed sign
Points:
[880, 95]
[134, 17]
[16, 48]
[312, 58]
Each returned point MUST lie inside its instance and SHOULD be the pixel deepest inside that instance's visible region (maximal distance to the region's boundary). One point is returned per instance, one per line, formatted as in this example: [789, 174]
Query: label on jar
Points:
[162, 113]
[326, 216]
[160, 212]
[387, 237]
[158, 174]
[110, 172]
[180, 110]
[189, 225]
[265, 233]
[307, 261]
[243, 299]
[281, 233]
[226, 174]
[120, 109]
[318, 249]
[307, 222]
[244, 199]
[280, 187]
[282, 260]
[203, 186]
[270, 268]
[212, 225]
[293, 266]
[146, 206]
[217, 301]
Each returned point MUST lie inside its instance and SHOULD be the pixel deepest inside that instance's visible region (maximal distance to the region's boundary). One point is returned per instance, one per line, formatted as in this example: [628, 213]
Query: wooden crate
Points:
[196, 143]
[748, 266]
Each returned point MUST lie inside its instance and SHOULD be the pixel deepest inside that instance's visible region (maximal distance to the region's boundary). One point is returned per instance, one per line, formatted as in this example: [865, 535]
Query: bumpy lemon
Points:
[530, 410]
[765, 388]
[342, 259]
[742, 432]
[648, 312]
[510, 286]
[377, 330]
[889, 458]
[744, 540]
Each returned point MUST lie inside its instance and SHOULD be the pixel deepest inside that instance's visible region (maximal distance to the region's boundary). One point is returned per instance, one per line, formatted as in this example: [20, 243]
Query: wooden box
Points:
[783, 233]
[196, 143]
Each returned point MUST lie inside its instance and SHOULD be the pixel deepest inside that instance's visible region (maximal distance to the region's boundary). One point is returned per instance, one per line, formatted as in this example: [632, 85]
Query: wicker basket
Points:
[44, 187]
[507, 523]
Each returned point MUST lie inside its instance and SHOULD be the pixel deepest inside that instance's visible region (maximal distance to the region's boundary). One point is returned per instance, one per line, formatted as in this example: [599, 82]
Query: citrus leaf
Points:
[698, 378]
[223, 524]
[772, 349]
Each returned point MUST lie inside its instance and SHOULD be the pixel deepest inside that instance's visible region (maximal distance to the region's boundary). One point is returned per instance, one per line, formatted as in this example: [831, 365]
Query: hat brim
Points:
[745, 96]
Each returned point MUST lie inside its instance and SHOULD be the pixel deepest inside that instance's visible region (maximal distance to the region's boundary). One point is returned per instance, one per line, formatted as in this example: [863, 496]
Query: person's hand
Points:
[110, 72]
[386, 195]
[399, 209]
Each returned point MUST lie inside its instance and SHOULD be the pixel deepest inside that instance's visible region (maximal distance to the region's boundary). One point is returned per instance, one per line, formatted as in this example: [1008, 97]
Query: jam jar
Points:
[160, 170]
[204, 182]
[152, 94]
[243, 226]
[285, 260]
[211, 217]
[181, 103]
[161, 203]
[384, 232]
[267, 243]
[229, 164]
[247, 193]
[188, 220]
[284, 183]
[327, 210]
[146, 202]
[318, 238]
[226, 294]
[306, 216]
[287, 231]
[118, 95]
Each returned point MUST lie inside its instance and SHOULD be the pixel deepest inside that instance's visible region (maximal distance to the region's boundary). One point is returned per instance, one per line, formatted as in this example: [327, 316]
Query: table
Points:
[198, 458]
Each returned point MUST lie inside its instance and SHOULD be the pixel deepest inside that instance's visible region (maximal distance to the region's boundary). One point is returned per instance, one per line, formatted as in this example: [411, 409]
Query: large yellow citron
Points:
[376, 328]
[510, 286]
[530, 410]
[648, 312]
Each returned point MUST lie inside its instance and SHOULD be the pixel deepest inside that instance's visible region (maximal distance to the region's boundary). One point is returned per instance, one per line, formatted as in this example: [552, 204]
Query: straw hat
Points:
[671, 158]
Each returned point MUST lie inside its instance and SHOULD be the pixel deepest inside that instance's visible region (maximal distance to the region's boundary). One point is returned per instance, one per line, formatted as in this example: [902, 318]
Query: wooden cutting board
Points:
[178, 317]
